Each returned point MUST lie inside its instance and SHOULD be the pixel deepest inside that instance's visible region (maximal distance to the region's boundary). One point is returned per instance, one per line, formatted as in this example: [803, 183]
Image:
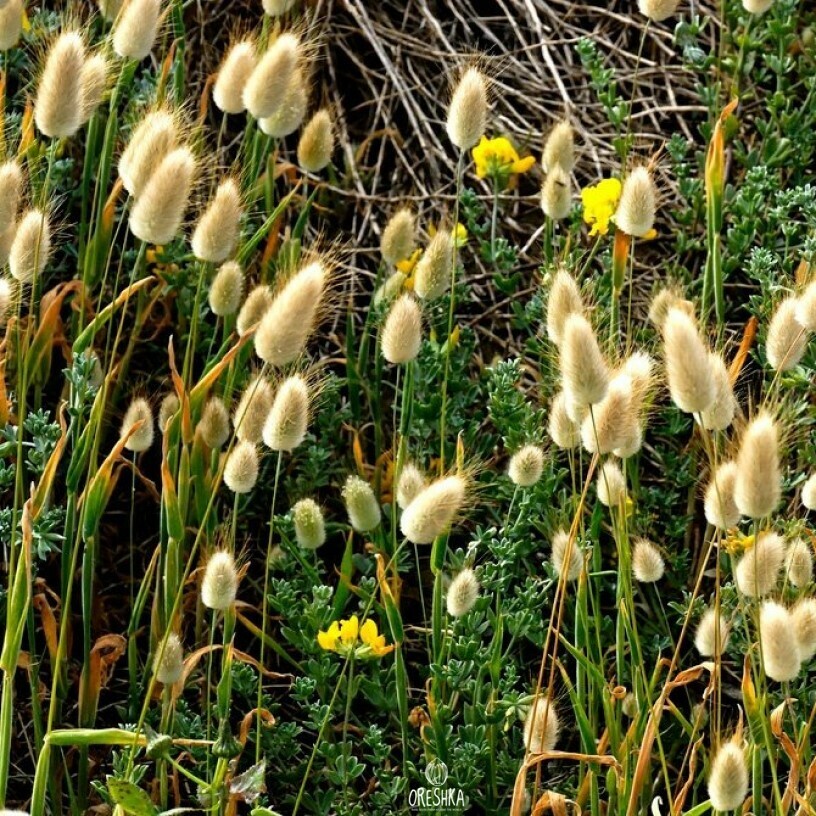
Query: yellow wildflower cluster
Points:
[498, 159]
[349, 637]
[600, 202]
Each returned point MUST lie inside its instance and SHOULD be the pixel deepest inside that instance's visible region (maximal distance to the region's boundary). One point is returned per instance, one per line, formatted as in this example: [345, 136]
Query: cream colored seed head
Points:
[8, 293]
[310, 529]
[711, 637]
[58, 109]
[288, 323]
[467, 112]
[432, 274]
[632, 442]
[613, 422]
[402, 331]
[390, 288]
[639, 368]
[757, 571]
[216, 234]
[728, 780]
[804, 625]
[757, 6]
[648, 565]
[806, 307]
[289, 114]
[6, 241]
[526, 466]
[541, 727]
[559, 149]
[94, 81]
[583, 367]
[11, 185]
[663, 302]
[410, 484]
[142, 438]
[611, 486]
[109, 9]
[809, 492]
[227, 289]
[691, 383]
[721, 510]
[565, 433]
[556, 195]
[636, 210]
[168, 409]
[361, 504]
[241, 469]
[288, 419]
[316, 144]
[799, 563]
[252, 410]
[169, 662]
[257, 304]
[11, 24]
[267, 85]
[758, 488]
[219, 587]
[399, 237]
[720, 414]
[152, 140]
[658, 10]
[214, 423]
[563, 301]
[779, 645]
[787, 338]
[463, 592]
[159, 210]
[567, 566]
[228, 90]
[31, 247]
[434, 510]
[277, 8]
[136, 28]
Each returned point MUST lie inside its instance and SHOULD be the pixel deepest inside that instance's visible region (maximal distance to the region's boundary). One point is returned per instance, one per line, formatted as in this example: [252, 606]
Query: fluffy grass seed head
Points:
[756, 573]
[563, 431]
[214, 425]
[219, 587]
[159, 209]
[584, 370]
[434, 509]
[613, 423]
[658, 10]
[109, 9]
[227, 289]
[721, 509]
[780, 647]
[8, 297]
[639, 368]
[6, 241]
[711, 636]
[31, 247]
[136, 27]
[666, 300]
[806, 307]
[804, 625]
[256, 305]
[787, 337]
[559, 149]
[361, 504]
[151, 141]
[169, 661]
[142, 438]
[758, 487]
[11, 186]
[398, 239]
[809, 492]
[638, 202]
[217, 231]
[467, 112]
[720, 414]
[556, 195]
[228, 90]
[799, 563]
[389, 288]
[94, 81]
[58, 108]
[568, 567]
[287, 324]
[316, 143]
[463, 592]
[728, 779]
[648, 565]
[289, 115]
[168, 409]
[410, 484]
[252, 410]
[402, 330]
[611, 485]
[288, 419]
[241, 469]
[564, 300]
[266, 87]
[310, 528]
[526, 466]
[541, 727]
[277, 8]
[432, 273]
[691, 383]
[757, 6]
[11, 24]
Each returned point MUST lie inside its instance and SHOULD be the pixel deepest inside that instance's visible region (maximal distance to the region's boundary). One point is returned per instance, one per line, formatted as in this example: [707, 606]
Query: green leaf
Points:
[131, 798]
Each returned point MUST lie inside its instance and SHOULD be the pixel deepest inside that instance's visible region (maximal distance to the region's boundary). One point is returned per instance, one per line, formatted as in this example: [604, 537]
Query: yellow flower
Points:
[348, 636]
[373, 640]
[406, 266]
[736, 543]
[459, 233]
[349, 629]
[600, 202]
[498, 158]
[328, 640]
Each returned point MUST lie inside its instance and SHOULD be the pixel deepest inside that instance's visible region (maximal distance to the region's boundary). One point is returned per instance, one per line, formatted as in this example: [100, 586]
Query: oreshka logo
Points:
[437, 797]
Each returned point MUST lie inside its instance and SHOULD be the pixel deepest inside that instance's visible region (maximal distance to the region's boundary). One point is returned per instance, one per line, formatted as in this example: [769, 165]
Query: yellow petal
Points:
[368, 632]
[523, 165]
[349, 630]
